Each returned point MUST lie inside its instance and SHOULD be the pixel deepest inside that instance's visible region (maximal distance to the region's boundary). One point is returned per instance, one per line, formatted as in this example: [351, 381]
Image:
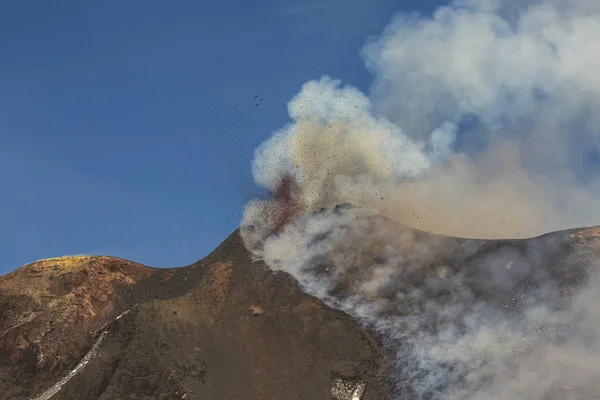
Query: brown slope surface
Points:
[223, 328]
[48, 310]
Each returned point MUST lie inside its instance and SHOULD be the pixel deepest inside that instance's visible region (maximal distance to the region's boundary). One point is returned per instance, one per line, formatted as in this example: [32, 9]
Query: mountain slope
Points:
[223, 328]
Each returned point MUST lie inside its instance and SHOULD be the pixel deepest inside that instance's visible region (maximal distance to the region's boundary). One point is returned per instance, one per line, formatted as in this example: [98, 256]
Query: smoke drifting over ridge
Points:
[481, 122]
[466, 319]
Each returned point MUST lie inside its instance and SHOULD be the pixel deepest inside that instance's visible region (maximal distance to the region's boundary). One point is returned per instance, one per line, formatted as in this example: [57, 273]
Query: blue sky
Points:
[128, 128]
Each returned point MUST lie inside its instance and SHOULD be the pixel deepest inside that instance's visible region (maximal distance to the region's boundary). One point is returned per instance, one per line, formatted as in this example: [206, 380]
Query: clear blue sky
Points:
[128, 128]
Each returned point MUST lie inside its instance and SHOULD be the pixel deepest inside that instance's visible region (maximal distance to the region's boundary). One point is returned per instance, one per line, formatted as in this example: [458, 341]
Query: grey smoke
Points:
[481, 122]
[516, 320]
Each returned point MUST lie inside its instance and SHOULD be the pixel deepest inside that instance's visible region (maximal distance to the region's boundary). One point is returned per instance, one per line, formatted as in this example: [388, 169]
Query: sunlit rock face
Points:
[42, 301]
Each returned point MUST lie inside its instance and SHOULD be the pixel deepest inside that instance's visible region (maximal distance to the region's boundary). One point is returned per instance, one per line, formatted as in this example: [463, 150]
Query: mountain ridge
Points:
[224, 327]
[188, 332]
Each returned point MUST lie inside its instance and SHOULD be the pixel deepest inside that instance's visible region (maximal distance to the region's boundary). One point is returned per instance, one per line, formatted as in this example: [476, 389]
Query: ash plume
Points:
[516, 320]
[481, 122]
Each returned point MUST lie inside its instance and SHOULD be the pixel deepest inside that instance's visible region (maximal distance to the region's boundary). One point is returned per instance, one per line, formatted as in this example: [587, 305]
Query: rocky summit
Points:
[226, 327]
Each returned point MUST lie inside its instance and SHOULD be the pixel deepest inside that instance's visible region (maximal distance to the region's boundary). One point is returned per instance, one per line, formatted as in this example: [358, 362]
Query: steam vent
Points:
[224, 328]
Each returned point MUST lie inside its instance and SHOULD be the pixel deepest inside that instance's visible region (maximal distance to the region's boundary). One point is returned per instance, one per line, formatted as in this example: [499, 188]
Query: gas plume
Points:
[481, 122]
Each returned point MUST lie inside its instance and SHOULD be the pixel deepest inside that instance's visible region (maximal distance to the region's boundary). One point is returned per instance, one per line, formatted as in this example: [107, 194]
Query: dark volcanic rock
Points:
[223, 328]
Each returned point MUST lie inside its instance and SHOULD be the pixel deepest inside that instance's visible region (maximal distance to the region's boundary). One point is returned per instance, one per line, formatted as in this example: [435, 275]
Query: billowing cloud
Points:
[481, 122]
[473, 116]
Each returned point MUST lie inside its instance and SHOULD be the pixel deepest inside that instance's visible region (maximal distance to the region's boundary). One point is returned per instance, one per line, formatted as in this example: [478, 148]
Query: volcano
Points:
[225, 327]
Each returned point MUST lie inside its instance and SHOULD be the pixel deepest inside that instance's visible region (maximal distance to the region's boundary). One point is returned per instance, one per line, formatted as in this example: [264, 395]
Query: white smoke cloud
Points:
[334, 133]
[536, 72]
[498, 97]
[481, 122]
